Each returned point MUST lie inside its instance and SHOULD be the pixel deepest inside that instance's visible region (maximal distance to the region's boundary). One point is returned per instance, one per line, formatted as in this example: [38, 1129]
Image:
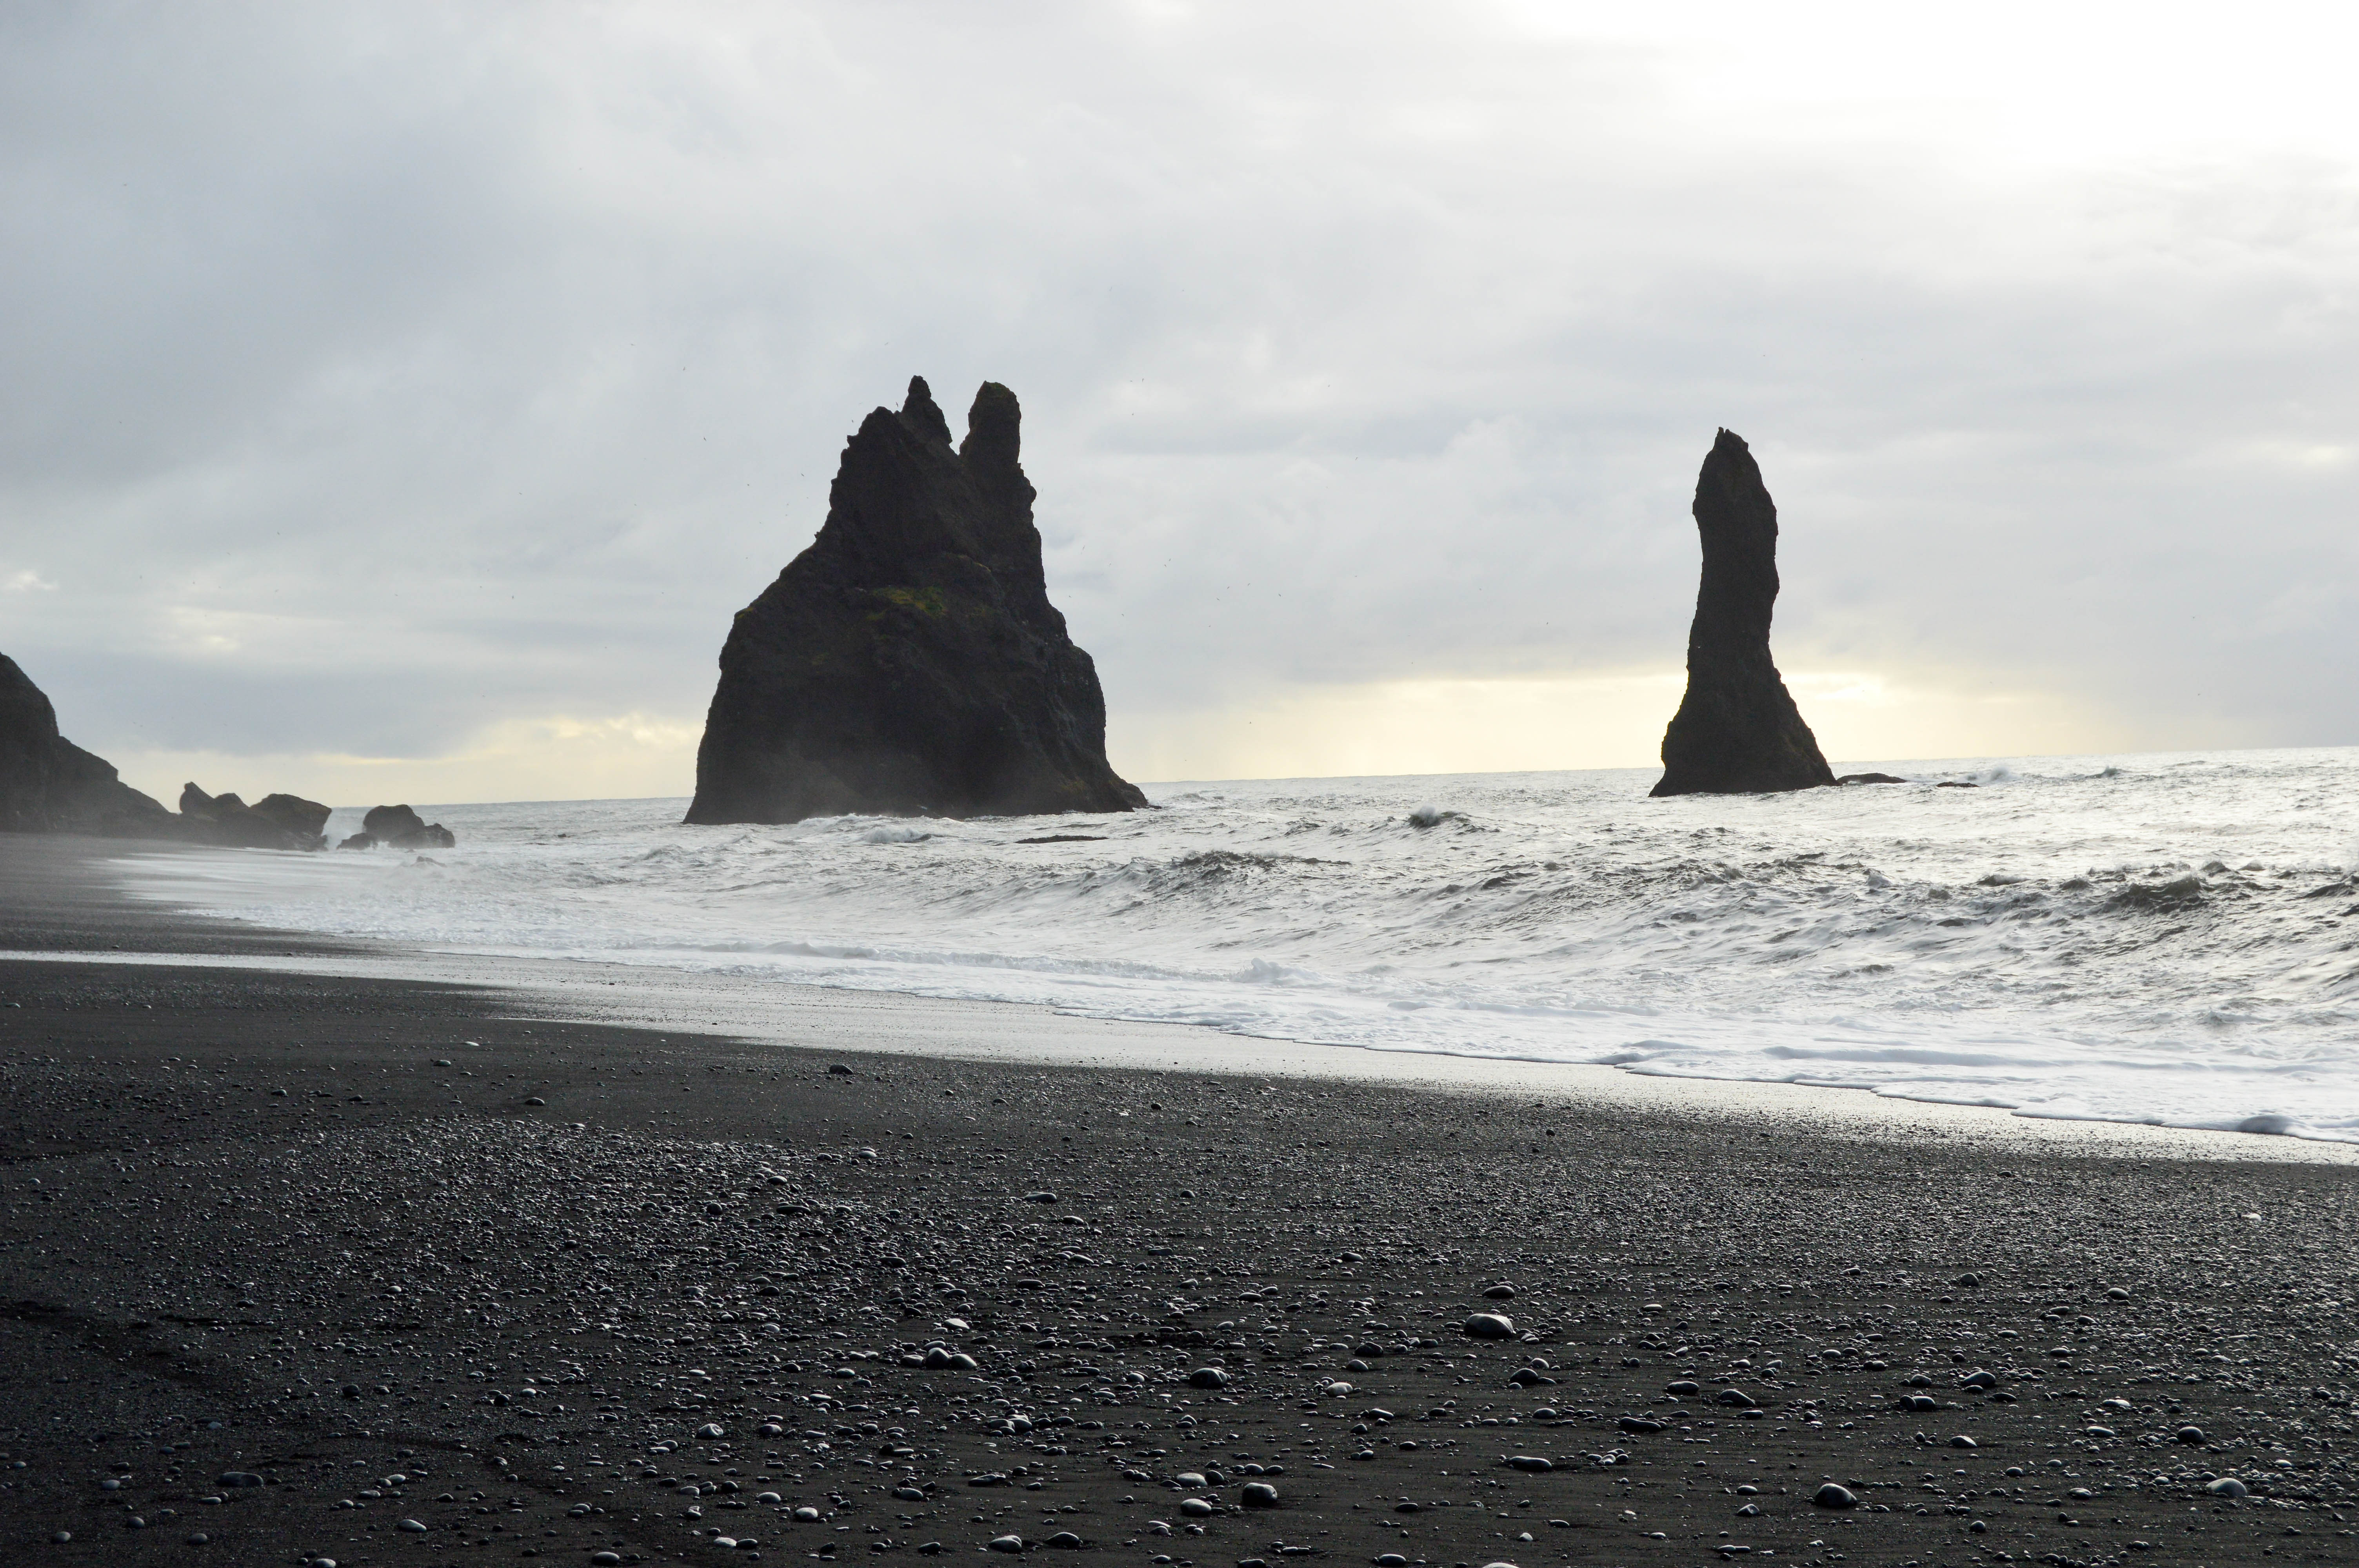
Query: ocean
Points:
[2149, 938]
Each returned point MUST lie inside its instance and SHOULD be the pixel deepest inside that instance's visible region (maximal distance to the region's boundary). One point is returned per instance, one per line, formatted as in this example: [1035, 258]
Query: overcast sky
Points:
[396, 400]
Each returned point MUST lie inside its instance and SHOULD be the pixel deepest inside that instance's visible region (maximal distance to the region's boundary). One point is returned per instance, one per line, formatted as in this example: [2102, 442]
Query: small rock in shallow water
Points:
[1500, 1293]
[239, 1478]
[1490, 1325]
[1207, 1377]
[1260, 1494]
[1832, 1495]
[2190, 1434]
[2228, 1486]
[1007, 1543]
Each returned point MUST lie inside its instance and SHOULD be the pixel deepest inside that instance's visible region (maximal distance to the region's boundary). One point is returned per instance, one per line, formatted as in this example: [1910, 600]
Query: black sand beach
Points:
[397, 1273]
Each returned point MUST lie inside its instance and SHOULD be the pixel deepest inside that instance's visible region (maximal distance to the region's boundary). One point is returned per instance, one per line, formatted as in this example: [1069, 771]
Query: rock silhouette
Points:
[273, 822]
[909, 663]
[48, 784]
[1737, 730]
[400, 827]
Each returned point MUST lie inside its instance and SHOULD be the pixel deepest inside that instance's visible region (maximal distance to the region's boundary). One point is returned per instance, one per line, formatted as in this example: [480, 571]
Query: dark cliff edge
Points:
[48, 784]
[1737, 730]
[909, 663]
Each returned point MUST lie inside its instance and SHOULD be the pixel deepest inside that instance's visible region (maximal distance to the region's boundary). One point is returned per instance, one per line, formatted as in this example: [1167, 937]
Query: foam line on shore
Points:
[763, 1010]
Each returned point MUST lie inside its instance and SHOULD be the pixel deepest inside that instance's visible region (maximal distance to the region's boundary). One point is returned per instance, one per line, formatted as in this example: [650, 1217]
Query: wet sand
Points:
[639, 1288]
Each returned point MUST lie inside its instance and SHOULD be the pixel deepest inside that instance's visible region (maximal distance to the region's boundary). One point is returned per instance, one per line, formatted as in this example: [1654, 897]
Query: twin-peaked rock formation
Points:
[909, 663]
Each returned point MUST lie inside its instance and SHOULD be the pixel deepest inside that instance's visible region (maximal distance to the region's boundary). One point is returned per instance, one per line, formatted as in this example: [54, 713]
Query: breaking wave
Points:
[2158, 939]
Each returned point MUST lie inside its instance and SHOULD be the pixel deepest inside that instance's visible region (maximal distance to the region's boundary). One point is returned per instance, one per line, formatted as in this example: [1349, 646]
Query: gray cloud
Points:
[371, 374]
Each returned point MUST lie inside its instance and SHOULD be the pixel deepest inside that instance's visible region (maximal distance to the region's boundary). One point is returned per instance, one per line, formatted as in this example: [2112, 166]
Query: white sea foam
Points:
[2152, 938]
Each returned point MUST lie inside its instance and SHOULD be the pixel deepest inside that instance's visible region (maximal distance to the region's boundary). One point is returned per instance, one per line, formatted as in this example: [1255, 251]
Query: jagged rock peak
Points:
[1737, 730]
[910, 662]
[921, 410]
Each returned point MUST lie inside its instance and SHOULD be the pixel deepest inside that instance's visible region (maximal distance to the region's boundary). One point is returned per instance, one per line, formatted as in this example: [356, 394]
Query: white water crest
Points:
[2164, 939]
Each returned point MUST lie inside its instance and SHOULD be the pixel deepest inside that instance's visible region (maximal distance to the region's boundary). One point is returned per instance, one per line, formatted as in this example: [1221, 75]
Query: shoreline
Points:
[641, 1287]
[753, 1006]
[759, 1009]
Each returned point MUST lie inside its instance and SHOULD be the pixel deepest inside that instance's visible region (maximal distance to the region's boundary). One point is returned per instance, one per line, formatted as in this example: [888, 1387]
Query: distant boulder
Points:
[307, 818]
[400, 827]
[909, 663]
[1869, 778]
[273, 822]
[1737, 730]
[48, 784]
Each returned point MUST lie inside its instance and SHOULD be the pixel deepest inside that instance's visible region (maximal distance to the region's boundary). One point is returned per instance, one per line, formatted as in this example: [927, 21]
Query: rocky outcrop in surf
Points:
[1737, 730]
[273, 822]
[400, 827]
[48, 784]
[909, 663]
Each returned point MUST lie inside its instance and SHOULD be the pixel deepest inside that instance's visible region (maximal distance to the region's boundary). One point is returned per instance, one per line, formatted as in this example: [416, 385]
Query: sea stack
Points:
[909, 663]
[1737, 730]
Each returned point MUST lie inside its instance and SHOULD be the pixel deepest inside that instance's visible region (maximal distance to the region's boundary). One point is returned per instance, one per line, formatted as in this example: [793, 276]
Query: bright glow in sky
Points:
[398, 401]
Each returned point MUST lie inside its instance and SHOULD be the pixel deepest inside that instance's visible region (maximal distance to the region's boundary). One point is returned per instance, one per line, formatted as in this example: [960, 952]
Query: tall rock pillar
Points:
[1737, 730]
